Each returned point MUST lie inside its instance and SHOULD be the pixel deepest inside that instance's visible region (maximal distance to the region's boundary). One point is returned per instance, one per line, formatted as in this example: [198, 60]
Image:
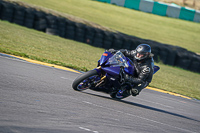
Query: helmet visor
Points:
[140, 55]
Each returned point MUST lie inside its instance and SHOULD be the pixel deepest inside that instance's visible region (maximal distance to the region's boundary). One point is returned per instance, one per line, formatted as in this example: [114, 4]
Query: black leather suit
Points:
[144, 71]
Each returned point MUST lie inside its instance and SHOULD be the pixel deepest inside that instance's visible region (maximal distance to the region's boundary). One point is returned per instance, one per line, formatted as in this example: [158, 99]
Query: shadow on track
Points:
[143, 106]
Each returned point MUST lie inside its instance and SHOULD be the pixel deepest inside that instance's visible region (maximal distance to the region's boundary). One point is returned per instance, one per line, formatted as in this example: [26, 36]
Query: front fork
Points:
[116, 83]
[103, 77]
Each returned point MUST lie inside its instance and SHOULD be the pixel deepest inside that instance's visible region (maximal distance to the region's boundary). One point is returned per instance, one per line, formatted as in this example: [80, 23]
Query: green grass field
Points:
[37, 45]
[144, 25]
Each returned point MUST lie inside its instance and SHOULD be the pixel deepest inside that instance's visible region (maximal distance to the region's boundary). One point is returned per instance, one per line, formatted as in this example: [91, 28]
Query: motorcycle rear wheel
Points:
[125, 95]
[84, 81]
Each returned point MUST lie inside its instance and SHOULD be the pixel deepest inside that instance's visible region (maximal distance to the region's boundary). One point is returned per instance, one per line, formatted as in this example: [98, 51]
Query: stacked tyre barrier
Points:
[63, 27]
[159, 8]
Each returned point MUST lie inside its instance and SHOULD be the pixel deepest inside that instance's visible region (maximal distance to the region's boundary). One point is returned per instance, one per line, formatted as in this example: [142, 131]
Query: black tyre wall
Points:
[7, 11]
[52, 25]
[163, 54]
[171, 55]
[40, 23]
[51, 31]
[183, 59]
[19, 15]
[98, 38]
[127, 43]
[135, 43]
[195, 64]
[29, 18]
[155, 50]
[51, 21]
[62, 27]
[89, 35]
[80, 32]
[0, 9]
[108, 39]
[117, 41]
[70, 30]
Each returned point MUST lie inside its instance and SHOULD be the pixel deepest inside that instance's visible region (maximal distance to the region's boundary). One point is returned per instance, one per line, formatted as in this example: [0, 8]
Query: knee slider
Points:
[134, 92]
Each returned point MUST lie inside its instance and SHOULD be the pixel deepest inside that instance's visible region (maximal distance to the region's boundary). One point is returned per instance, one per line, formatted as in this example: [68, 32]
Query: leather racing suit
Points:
[144, 71]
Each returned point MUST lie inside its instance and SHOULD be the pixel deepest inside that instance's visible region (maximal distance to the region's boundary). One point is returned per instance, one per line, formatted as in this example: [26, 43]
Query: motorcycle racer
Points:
[144, 63]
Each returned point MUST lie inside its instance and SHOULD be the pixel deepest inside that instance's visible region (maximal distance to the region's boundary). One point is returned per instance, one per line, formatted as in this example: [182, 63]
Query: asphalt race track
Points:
[39, 99]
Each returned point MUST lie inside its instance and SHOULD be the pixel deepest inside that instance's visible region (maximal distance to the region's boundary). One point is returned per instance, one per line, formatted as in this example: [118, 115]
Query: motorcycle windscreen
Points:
[117, 60]
[130, 69]
[105, 56]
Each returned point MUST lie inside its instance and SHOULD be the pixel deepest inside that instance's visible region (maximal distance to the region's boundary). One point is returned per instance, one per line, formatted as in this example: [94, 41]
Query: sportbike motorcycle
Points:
[109, 76]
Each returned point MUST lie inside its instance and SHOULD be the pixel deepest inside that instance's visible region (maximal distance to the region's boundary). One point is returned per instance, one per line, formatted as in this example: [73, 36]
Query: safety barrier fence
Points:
[159, 8]
[63, 27]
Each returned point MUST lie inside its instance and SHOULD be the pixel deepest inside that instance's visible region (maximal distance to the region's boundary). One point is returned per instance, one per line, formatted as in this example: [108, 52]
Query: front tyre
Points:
[85, 81]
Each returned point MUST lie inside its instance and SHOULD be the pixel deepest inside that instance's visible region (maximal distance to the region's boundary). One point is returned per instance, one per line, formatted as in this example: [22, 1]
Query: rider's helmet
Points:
[142, 51]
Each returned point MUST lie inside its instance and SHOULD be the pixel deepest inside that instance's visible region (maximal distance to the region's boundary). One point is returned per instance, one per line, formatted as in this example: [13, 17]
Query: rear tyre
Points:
[85, 81]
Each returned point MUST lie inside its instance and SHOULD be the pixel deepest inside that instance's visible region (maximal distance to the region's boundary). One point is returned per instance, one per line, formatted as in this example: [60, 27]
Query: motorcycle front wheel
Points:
[85, 81]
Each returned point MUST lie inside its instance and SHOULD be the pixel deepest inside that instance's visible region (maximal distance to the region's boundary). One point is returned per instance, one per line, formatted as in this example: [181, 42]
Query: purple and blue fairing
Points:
[105, 56]
[156, 68]
[102, 62]
[115, 70]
